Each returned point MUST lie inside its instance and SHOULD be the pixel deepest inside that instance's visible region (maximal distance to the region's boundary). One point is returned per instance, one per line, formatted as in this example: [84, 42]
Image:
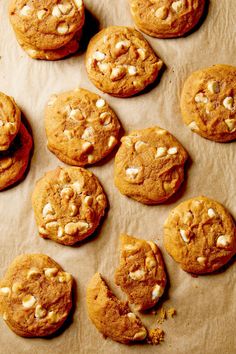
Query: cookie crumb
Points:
[155, 336]
[171, 312]
[162, 316]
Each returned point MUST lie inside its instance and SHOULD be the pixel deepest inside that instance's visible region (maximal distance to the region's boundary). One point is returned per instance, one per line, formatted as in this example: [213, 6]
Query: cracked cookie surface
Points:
[35, 295]
[119, 61]
[200, 235]
[149, 165]
[80, 126]
[68, 204]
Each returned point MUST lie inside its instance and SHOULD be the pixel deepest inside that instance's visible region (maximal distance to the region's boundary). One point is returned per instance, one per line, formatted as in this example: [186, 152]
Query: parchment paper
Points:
[206, 310]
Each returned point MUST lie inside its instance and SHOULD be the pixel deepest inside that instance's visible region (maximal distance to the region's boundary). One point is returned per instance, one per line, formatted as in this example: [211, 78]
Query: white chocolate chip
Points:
[4, 316]
[86, 146]
[112, 141]
[231, 124]
[16, 287]
[103, 67]
[73, 210]
[50, 272]
[100, 198]
[28, 301]
[132, 70]
[201, 260]
[88, 200]
[193, 126]
[161, 151]
[137, 275]
[74, 114]
[211, 213]
[63, 28]
[26, 10]
[187, 218]
[82, 226]
[90, 158]
[157, 292]
[1, 123]
[184, 236]
[140, 335]
[67, 193]
[213, 86]
[142, 53]
[52, 316]
[71, 228]
[131, 316]
[77, 187]
[105, 118]
[228, 103]
[11, 127]
[78, 3]
[150, 262]
[117, 73]
[172, 150]
[130, 247]
[40, 312]
[200, 98]
[64, 277]
[132, 172]
[60, 232]
[88, 133]
[47, 210]
[161, 12]
[56, 11]
[53, 225]
[100, 103]
[99, 56]
[222, 241]
[177, 6]
[33, 272]
[123, 45]
[5, 291]
[65, 8]
[41, 14]
[139, 146]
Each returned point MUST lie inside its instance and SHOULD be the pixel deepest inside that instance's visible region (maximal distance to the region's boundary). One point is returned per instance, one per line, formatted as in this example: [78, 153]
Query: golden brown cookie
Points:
[110, 316]
[10, 118]
[149, 165]
[14, 161]
[166, 18]
[120, 61]
[141, 273]
[46, 24]
[68, 204]
[80, 126]
[35, 295]
[200, 235]
[208, 102]
[54, 54]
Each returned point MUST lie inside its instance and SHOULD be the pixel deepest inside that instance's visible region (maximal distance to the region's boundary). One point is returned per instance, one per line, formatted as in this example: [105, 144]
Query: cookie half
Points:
[120, 61]
[208, 102]
[68, 204]
[111, 317]
[80, 126]
[10, 119]
[14, 161]
[46, 24]
[166, 18]
[35, 296]
[200, 235]
[149, 165]
[141, 273]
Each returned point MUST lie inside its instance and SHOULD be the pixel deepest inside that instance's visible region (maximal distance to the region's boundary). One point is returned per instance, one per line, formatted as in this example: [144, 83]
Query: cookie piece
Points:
[46, 24]
[54, 54]
[81, 128]
[35, 295]
[149, 165]
[120, 61]
[200, 235]
[68, 204]
[110, 316]
[141, 273]
[14, 161]
[208, 103]
[10, 118]
[166, 18]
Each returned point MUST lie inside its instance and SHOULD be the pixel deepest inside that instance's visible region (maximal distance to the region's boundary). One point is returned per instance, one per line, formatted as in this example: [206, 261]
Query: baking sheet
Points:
[206, 310]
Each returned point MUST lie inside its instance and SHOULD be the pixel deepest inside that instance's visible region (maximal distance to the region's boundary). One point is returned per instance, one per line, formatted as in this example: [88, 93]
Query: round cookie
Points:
[10, 118]
[166, 18]
[54, 54]
[208, 102]
[47, 24]
[149, 165]
[141, 273]
[119, 61]
[35, 295]
[112, 317]
[80, 126]
[200, 235]
[68, 204]
[14, 161]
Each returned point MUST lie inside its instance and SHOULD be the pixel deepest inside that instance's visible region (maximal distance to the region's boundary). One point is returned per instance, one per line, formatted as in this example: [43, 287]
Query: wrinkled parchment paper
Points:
[206, 310]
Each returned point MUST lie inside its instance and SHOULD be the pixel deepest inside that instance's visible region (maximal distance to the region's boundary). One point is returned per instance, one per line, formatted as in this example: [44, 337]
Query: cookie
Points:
[10, 118]
[208, 103]
[54, 54]
[149, 165]
[46, 24]
[68, 204]
[141, 273]
[166, 18]
[111, 317]
[14, 161]
[35, 295]
[119, 61]
[80, 126]
[200, 235]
